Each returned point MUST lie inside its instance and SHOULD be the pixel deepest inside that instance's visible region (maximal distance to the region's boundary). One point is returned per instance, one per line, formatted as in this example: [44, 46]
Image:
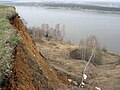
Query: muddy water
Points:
[78, 24]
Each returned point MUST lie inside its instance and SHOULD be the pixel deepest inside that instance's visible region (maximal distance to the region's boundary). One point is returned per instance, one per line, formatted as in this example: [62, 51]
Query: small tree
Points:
[85, 49]
[56, 33]
[92, 43]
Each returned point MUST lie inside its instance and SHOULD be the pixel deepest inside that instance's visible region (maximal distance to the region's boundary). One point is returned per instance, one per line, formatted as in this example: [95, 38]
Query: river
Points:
[78, 24]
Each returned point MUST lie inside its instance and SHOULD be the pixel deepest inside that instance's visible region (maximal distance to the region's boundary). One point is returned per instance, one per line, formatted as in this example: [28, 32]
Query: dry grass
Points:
[105, 76]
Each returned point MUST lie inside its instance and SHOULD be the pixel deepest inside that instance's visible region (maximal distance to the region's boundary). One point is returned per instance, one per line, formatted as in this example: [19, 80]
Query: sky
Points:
[70, 0]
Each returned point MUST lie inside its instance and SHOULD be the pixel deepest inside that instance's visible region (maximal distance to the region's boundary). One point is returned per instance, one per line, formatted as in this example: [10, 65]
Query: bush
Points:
[104, 49]
[85, 50]
[78, 54]
[2, 81]
[14, 40]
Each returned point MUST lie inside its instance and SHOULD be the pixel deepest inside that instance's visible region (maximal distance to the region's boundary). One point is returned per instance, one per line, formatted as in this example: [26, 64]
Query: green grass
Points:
[15, 40]
[8, 40]
[6, 29]
[2, 6]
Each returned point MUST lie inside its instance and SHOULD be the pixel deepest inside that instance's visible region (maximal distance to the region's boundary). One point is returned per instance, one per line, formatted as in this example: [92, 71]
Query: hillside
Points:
[7, 43]
[28, 63]
[106, 75]
[29, 70]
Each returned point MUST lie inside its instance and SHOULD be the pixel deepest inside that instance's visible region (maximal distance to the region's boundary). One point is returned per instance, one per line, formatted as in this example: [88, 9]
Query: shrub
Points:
[104, 49]
[85, 50]
[14, 40]
[2, 81]
[78, 54]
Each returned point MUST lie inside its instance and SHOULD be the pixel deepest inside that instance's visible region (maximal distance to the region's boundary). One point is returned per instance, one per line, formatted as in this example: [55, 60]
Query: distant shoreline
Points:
[84, 10]
[69, 6]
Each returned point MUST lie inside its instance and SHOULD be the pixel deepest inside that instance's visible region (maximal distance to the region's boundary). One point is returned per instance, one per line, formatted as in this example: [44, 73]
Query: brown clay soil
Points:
[30, 70]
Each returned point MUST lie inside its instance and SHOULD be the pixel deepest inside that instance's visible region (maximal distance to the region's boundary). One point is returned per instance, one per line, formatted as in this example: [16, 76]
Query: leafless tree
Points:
[57, 33]
[62, 32]
[82, 49]
[93, 45]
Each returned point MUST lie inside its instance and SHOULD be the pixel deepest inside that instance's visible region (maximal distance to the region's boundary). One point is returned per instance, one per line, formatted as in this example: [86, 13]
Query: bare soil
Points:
[30, 70]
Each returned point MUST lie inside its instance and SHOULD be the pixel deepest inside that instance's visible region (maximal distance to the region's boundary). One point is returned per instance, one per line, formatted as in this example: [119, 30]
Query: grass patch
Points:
[3, 6]
[8, 39]
[14, 40]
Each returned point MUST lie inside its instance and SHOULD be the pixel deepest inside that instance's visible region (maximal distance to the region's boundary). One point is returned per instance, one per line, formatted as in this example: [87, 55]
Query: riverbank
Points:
[8, 41]
[78, 25]
[106, 76]
[21, 65]
[27, 63]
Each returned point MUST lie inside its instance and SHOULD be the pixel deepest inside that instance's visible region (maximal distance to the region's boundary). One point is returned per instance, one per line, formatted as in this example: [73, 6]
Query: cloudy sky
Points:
[65, 0]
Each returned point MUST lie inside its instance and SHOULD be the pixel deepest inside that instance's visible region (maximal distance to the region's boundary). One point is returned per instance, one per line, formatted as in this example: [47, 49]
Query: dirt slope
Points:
[30, 71]
[106, 76]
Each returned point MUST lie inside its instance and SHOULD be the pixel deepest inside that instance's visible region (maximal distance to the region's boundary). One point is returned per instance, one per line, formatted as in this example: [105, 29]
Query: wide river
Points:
[78, 24]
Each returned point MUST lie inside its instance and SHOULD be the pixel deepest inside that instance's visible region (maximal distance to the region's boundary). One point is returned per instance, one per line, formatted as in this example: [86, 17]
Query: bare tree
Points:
[57, 33]
[62, 32]
[82, 49]
[93, 43]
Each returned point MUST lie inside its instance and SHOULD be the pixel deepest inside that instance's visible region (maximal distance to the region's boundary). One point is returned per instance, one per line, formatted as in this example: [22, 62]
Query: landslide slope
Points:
[30, 71]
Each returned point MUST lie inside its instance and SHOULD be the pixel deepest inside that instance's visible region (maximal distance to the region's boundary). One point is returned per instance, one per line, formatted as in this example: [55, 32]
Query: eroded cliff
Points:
[30, 71]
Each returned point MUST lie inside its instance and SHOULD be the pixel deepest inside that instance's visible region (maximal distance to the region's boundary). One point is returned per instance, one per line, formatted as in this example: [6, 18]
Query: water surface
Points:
[78, 24]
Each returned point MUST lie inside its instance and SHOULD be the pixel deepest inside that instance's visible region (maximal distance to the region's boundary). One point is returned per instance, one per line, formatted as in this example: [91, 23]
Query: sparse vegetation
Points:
[7, 35]
[57, 54]
[84, 51]
[2, 6]
[56, 33]
[14, 40]
[104, 49]
[2, 80]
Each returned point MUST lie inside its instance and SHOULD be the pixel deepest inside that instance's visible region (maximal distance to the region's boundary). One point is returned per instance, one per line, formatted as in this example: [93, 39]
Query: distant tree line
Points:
[82, 6]
[66, 5]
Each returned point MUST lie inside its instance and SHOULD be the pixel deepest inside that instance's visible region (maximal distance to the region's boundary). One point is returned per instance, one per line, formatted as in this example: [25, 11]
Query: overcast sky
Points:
[70, 0]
